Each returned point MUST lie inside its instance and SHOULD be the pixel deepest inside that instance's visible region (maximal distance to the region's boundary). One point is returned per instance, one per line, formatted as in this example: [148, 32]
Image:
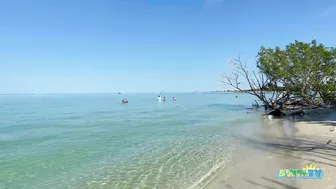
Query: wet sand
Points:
[283, 144]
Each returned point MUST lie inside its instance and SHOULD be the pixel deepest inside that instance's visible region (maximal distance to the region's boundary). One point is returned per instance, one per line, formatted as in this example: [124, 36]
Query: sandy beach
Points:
[283, 144]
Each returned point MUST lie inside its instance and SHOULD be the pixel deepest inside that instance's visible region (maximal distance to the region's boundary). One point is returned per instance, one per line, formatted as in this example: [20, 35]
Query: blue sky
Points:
[145, 45]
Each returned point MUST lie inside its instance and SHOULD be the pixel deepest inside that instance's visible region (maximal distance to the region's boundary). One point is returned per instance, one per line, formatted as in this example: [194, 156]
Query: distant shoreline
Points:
[235, 91]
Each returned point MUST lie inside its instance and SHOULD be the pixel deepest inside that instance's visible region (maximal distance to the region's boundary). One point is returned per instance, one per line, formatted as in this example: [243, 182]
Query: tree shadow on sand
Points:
[279, 137]
[285, 142]
[289, 147]
[273, 182]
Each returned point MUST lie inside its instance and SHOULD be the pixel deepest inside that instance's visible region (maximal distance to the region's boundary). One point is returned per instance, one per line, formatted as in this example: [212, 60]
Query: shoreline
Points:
[283, 144]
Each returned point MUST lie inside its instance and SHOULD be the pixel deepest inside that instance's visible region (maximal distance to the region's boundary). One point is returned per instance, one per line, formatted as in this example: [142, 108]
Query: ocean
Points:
[94, 141]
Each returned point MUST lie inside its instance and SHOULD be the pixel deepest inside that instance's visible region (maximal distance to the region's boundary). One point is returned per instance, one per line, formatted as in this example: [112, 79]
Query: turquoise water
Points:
[95, 141]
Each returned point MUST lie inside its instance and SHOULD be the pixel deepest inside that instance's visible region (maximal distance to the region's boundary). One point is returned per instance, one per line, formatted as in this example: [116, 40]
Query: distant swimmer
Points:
[159, 98]
[124, 101]
[174, 98]
[164, 99]
[236, 96]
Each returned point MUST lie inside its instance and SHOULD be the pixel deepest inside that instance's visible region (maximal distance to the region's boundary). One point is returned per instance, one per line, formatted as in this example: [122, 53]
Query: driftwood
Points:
[277, 113]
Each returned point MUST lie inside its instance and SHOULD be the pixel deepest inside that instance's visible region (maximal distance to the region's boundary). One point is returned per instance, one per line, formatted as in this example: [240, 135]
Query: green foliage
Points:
[301, 68]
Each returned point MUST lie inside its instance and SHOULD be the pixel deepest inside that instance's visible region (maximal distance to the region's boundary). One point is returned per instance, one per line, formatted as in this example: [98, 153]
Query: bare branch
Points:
[256, 84]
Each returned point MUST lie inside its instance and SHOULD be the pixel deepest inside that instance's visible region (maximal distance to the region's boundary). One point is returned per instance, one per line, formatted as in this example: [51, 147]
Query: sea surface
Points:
[84, 141]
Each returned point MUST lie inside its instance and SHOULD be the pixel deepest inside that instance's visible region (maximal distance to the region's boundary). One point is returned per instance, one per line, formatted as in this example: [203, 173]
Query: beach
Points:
[283, 144]
[198, 141]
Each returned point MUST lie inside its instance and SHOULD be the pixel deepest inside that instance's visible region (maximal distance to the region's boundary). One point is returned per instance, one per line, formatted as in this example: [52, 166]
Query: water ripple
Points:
[94, 141]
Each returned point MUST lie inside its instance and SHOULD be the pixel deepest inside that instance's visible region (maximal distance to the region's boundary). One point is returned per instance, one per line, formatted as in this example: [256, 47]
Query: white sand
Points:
[282, 144]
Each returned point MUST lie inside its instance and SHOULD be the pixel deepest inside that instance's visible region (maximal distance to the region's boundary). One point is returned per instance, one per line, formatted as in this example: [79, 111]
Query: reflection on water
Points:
[279, 127]
[288, 128]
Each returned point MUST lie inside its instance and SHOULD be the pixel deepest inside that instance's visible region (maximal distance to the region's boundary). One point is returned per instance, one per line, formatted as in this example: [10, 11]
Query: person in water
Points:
[159, 98]
[164, 99]
[174, 99]
[124, 101]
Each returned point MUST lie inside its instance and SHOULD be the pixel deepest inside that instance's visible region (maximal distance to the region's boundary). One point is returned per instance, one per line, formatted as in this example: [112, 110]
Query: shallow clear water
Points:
[95, 141]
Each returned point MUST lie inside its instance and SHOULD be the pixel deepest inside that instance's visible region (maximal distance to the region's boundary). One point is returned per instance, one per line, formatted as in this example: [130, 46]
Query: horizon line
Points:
[32, 93]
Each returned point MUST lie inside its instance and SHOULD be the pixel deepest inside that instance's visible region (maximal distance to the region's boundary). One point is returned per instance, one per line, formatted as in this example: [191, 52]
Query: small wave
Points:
[73, 117]
[229, 107]
[217, 105]
[209, 176]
